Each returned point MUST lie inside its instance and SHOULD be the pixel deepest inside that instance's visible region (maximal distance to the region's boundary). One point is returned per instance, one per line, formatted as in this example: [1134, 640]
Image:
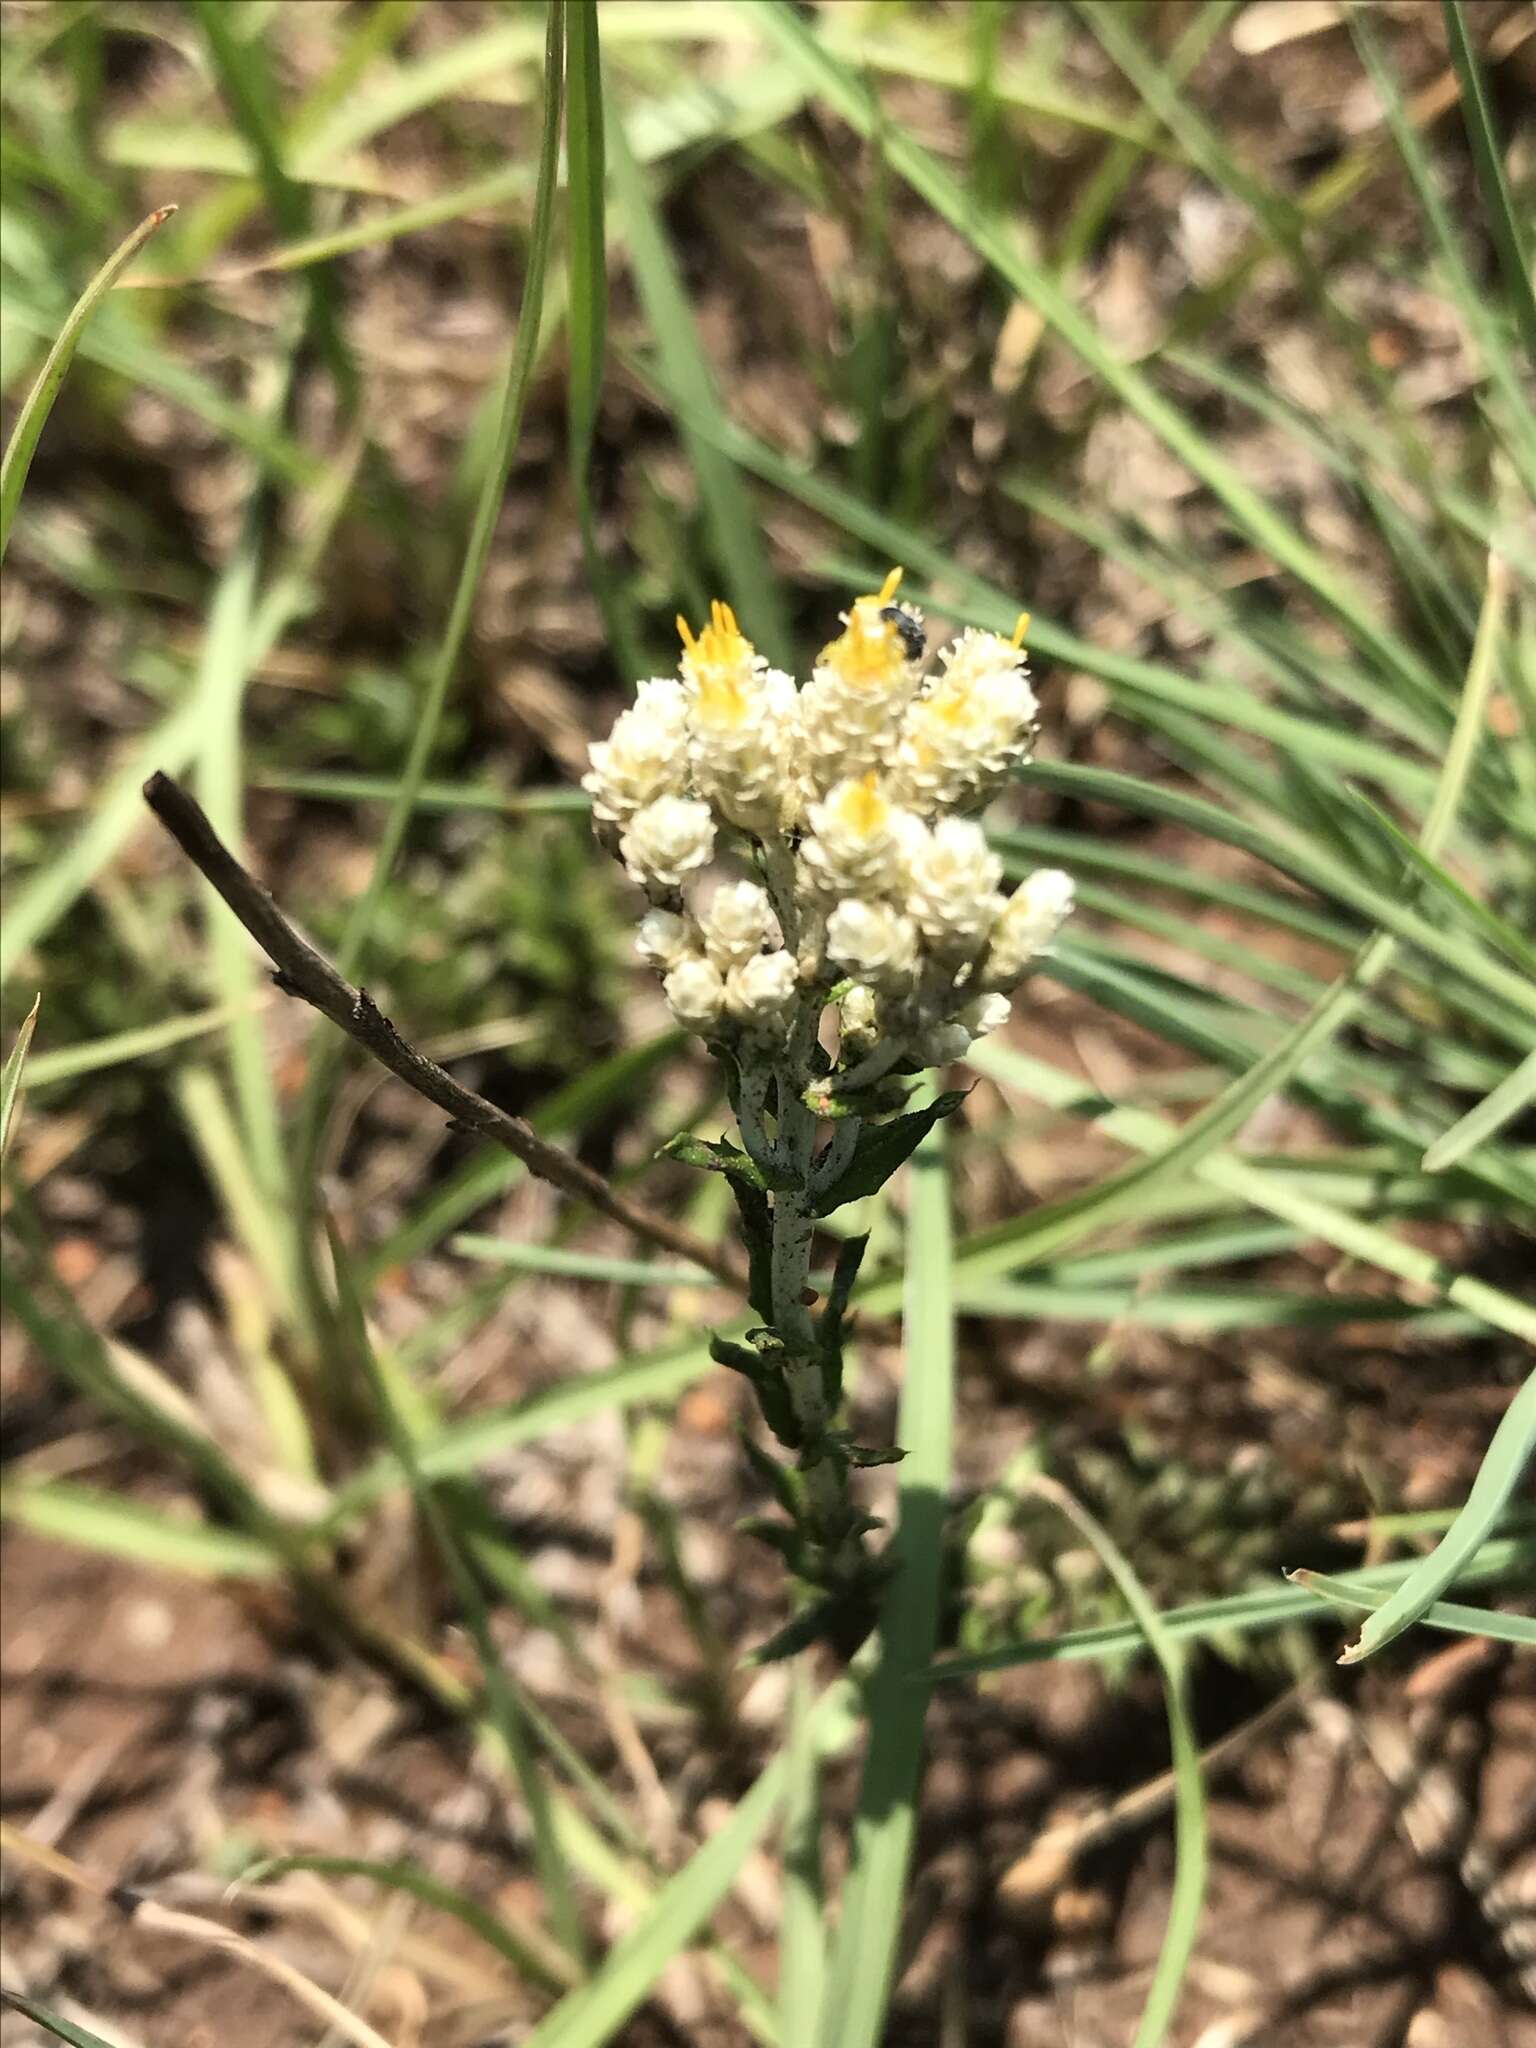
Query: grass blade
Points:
[10, 1077]
[1503, 221]
[67, 2031]
[1237, 1613]
[1189, 1867]
[1491, 1622]
[1513, 1446]
[734, 527]
[502, 1701]
[863, 1959]
[530, 1957]
[848, 95]
[105, 1522]
[597, 2012]
[33, 416]
[1513, 1095]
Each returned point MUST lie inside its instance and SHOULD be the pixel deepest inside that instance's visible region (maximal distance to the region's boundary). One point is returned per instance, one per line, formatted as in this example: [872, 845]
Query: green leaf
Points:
[61, 2030]
[33, 416]
[1189, 1859]
[714, 1155]
[1514, 1095]
[768, 1383]
[1513, 1445]
[830, 1335]
[10, 1077]
[864, 1954]
[882, 1149]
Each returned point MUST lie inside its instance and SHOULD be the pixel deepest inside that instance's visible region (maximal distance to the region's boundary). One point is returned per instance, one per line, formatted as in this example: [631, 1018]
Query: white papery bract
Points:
[1026, 925]
[952, 884]
[968, 729]
[664, 939]
[762, 989]
[846, 800]
[858, 840]
[737, 922]
[644, 757]
[877, 943]
[668, 841]
[695, 992]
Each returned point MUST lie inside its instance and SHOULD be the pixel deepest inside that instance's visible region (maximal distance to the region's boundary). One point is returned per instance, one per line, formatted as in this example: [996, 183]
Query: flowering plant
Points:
[868, 938]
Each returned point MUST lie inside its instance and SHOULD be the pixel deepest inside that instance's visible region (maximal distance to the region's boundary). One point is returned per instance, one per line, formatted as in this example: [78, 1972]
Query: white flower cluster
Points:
[848, 796]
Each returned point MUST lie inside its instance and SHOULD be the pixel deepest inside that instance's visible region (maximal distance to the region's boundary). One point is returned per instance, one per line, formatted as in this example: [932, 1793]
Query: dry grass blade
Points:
[192, 1927]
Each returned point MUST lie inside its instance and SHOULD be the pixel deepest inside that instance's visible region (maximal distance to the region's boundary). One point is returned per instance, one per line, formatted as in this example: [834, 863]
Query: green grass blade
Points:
[67, 2031]
[503, 1704]
[734, 526]
[847, 94]
[545, 1258]
[359, 931]
[999, 1251]
[119, 1048]
[105, 1522]
[1236, 1614]
[802, 1931]
[1490, 1622]
[1513, 1095]
[532, 1959]
[1498, 930]
[1503, 222]
[1513, 1446]
[33, 416]
[11, 1076]
[596, 2013]
[1190, 1859]
[587, 318]
[863, 1959]
[1472, 301]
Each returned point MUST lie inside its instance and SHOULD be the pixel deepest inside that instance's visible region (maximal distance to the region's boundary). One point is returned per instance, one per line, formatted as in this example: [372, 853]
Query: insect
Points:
[909, 626]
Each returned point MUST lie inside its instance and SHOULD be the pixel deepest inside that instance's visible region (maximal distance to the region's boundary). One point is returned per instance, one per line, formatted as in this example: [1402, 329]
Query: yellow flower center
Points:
[720, 663]
[869, 652]
[863, 808]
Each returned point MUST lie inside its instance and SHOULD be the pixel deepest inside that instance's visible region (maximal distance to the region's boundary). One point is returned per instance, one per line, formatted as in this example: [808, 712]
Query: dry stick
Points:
[301, 971]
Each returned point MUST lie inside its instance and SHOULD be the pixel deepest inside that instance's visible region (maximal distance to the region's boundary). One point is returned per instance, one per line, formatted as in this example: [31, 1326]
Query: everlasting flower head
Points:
[644, 757]
[856, 838]
[844, 802]
[952, 879]
[970, 728]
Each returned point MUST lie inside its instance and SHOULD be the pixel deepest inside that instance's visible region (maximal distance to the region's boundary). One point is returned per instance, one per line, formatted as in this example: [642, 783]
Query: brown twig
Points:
[302, 972]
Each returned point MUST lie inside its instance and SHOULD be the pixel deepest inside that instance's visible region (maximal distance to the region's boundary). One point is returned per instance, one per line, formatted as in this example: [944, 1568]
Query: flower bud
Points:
[667, 840]
[1026, 926]
[737, 924]
[762, 988]
[952, 885]
[664, 939]
[873, 941]
[695, 994]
